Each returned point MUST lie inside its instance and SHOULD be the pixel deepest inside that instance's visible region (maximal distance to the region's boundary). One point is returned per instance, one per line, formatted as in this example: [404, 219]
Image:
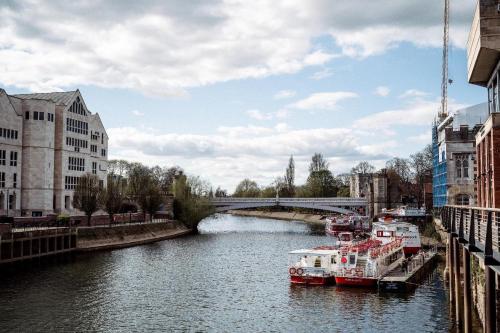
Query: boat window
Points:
[333, 261]
[352, 259]
[317, 262]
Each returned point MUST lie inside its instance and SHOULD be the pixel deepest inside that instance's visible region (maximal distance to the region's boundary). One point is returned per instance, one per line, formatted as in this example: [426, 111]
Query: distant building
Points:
[373, 187]
[47, 141]
[453, 143]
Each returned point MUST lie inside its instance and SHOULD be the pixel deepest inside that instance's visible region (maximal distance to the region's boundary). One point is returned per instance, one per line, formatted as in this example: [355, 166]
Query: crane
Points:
[443, 113]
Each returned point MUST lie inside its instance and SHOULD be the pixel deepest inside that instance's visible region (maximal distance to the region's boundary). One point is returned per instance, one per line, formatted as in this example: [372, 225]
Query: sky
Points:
[229, 89]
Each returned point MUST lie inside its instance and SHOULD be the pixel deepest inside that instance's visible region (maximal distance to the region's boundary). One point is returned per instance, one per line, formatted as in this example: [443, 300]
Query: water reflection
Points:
[232, 277]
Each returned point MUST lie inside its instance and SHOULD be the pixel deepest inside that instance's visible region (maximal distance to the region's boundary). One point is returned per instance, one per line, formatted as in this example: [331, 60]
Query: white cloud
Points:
[382, 91]
[417, 112]
[412, 93]
[423, 138]
[137, 113]
[322, 74]
[166, 47]
[232, 153]
[323, 100]
[284, 94]
[257, 114]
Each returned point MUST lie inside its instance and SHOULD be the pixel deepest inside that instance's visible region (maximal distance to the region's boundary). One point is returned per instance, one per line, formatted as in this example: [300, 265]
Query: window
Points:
[94, 168]
[66, 202]
[2, 157]
[70, 182]
[76, 164]
[14, 180]
[102, 138]
[41, 116]
[103, 152]
[462, 165]
[77, 107]
[12, 201]
[462, 199]
[93, 148]
[36, 213]
[35, 115]
[13, 158]
[2, 179]
[77, 126]
[27, 115]
[50, 117]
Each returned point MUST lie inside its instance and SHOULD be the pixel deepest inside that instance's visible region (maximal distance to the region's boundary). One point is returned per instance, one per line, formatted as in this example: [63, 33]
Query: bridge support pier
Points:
[456, 273]
[451, 270]
[490, 307]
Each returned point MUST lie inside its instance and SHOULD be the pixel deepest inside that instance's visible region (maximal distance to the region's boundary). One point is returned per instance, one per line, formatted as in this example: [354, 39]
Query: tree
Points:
[268, 192]
[399, 174]
[189, 208]
[318, 163]
[220, 193]
[421, 165]
[86, 195]
[111, 197]
[289, 180]
[247, 188]
[363, 167]
[321, 184]
[150, 199]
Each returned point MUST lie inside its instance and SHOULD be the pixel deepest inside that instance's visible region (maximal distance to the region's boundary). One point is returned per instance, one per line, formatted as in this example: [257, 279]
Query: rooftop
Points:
[62, 97]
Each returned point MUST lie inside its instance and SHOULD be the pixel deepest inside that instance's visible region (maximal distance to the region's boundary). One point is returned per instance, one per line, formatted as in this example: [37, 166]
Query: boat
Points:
[387, 228]
[313, 266]
[358, 225]
[363, 264]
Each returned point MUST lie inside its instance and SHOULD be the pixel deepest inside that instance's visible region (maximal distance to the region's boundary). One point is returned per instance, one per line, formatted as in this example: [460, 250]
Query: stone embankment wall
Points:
[286, 216]
[103, 238]
[477, 274]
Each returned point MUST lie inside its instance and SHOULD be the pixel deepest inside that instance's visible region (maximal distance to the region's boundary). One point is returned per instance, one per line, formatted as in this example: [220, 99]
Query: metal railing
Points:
[477, 226]
[340, 200]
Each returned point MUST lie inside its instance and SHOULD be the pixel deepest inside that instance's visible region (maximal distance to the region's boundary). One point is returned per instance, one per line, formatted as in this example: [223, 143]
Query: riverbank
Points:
[313, 219]
[107, 238]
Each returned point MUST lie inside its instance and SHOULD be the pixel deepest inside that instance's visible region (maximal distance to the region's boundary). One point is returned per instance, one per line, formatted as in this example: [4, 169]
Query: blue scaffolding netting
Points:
[439, 196]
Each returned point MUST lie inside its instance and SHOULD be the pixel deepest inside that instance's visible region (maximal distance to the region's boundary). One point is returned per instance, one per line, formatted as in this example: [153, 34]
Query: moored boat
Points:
[388, 228]
[362, 265]
[313, 266]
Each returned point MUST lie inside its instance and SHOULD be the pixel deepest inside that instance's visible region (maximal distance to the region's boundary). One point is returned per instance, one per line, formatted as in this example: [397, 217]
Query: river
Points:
[230, 278]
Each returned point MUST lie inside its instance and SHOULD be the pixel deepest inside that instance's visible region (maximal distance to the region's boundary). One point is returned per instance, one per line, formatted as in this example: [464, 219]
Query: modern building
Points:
[453, 144]
[483, 62]
[47, 142]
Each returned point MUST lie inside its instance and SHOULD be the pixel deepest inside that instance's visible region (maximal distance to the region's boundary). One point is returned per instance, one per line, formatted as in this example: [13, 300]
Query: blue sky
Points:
[230, 89]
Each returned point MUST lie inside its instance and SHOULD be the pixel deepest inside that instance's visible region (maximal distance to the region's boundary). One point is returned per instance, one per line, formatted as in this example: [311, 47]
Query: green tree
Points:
[289, 180]
[150, 199]
[190, 207]
[268, 192]
[322, 184]
[247, 188]
[86, 195]
[111, 197]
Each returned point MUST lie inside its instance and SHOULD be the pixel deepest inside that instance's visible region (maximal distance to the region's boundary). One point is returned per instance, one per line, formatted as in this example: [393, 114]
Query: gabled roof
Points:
[63, 97]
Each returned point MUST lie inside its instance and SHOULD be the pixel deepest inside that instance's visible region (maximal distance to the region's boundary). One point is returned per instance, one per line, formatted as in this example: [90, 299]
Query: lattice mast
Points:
[443, 113]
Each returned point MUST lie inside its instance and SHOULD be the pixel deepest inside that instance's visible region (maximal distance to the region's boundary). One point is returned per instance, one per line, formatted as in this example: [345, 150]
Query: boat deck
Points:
[398, 280]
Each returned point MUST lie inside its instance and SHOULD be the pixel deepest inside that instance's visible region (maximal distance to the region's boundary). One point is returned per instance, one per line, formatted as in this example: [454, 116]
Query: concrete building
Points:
[454, 151]
[52, 140]
[483, 62]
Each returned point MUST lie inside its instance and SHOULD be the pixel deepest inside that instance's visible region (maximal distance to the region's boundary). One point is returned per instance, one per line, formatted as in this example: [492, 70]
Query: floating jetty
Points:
[398, 280]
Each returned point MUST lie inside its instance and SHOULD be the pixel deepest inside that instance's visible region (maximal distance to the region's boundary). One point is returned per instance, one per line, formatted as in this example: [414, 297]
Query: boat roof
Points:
[315, 252]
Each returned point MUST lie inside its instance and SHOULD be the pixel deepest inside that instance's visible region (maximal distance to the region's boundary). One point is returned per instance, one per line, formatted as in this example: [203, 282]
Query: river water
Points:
[230, 278]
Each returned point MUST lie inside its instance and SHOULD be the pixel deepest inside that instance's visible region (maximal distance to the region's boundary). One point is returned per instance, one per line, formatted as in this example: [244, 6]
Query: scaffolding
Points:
[439, 176]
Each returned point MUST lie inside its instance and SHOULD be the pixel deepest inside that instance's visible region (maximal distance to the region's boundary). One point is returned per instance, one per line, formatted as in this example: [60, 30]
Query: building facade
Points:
[454, 156]
[483, 62]
[56, 141]
[373, 187]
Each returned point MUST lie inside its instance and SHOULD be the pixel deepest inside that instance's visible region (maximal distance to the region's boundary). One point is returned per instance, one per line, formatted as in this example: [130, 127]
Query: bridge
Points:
[336, 204]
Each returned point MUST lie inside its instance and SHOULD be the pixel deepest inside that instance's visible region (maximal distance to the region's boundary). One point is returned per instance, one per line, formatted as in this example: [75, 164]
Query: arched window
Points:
[462, 199]
[461, 165]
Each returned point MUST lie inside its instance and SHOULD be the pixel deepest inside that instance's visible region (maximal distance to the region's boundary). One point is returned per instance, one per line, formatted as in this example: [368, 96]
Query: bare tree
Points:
[86, 195]
[247, 188]
[318, 163]
[111, 197]
[363, 167]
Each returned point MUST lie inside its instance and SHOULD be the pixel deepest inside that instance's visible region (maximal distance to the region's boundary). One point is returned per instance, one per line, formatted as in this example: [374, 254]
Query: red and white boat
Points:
[388, 228]
[363, 264]
[356, 224]
[313, 266]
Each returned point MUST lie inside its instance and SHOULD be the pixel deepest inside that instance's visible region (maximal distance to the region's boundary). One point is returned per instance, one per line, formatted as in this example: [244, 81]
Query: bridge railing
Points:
[338, 200]
[477, 226]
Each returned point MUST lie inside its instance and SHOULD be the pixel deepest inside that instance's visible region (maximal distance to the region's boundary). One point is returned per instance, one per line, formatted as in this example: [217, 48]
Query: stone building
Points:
[374, 187]
[56, 140]
[453, 141]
